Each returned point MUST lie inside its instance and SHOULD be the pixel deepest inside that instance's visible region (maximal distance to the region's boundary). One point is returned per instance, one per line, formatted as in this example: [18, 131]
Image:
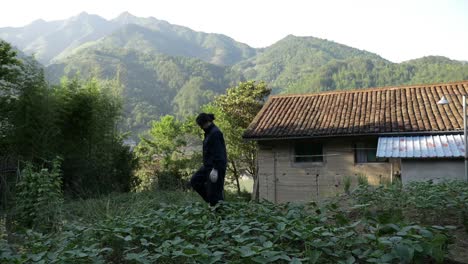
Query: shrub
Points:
[39, 196]
[169, 180]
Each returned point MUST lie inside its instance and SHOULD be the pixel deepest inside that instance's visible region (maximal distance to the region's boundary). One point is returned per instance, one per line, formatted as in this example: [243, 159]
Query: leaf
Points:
[387, 258]
[267, 244]
[295, 261]
[82, 255]
[260, 259]
[439, 239]
[426, 233]
[404, 252]
[350, 260]
[189, 251]
[395, 239]
[246, 251]
[281, 226]
[314, 256]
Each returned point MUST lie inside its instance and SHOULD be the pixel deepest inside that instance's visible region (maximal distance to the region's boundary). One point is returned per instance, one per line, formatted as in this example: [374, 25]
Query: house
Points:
[309, 144]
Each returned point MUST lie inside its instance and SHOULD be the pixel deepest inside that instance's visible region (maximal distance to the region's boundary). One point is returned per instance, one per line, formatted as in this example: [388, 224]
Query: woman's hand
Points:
[214, 176]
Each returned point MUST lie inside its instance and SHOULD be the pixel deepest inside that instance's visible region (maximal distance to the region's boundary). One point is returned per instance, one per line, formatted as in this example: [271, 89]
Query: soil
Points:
[458, 251]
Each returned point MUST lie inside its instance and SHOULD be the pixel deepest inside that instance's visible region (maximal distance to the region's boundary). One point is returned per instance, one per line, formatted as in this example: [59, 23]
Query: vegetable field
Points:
[382, 224]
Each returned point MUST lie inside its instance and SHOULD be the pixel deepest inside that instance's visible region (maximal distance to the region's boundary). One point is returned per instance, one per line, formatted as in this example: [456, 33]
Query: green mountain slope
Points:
[56, 40]
[308, 64]
[170, 69]
[293, 58]
[157, 84]
[153, 84]
[216, 49]
[182, 41]
[364, 73]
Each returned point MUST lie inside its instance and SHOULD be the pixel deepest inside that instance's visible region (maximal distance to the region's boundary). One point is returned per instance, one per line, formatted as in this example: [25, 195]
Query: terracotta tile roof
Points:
[373, 111]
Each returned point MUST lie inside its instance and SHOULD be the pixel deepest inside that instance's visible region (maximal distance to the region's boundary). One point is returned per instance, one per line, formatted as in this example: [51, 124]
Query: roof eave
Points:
[353, 135]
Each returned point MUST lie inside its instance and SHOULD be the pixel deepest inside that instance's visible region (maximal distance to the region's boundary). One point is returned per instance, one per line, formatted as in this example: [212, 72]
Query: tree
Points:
[164, 140]
[95, 160]
[75, 120]
[238, 107]
[163, 154]
[10, 66]
[34, 117]
[10, 73]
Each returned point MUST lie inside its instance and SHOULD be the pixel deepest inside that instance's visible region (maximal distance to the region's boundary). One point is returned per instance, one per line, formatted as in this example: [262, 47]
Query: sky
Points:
[397, 30]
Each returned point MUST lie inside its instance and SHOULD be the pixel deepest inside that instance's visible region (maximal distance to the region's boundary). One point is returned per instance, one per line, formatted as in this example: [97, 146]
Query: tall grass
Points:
[139, 203]
[363, 180]
[347, 184]
[124, 204]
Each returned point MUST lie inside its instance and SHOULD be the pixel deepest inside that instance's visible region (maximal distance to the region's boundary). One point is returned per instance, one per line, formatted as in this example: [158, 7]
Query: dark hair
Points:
[204, 118]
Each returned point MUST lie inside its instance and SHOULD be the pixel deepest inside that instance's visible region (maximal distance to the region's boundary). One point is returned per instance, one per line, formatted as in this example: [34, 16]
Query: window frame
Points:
[367, 146]
[307, 163]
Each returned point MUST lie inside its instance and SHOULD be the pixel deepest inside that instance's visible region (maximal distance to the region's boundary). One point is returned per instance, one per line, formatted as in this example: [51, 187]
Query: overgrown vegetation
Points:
[424, 202]
[76, 120]
[39, 197]
[137, 228]
[169, 153]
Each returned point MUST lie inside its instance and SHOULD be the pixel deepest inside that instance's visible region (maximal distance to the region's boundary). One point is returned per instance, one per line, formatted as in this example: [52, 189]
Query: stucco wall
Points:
[436, 170]
[283, 180]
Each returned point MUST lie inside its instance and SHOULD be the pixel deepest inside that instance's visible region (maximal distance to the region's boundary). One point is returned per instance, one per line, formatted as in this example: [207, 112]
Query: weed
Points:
[347, 184]
[39, 196]
[363, 180]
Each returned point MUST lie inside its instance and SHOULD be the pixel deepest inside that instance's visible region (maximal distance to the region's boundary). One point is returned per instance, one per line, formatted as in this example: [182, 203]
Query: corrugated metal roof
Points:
[440, 146]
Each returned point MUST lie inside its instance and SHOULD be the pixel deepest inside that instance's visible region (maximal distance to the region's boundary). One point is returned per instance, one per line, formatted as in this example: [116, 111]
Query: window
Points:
[367, 153]
[308, 152]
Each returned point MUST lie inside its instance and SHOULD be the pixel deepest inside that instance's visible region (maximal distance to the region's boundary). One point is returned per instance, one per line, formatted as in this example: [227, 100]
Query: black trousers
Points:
[212, 193]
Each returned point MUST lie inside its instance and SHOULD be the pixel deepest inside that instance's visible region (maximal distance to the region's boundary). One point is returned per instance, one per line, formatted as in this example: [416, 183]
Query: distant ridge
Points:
[170, 69]
[51, 41]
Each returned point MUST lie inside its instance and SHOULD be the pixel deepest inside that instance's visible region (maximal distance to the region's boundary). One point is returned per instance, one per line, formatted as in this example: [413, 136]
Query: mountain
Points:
[291, 59]
[308, 64]
[46, 40]
[355, 73]
[56, 40]
[213, 48]
[159, 35]
[154, 84]
[169, 69]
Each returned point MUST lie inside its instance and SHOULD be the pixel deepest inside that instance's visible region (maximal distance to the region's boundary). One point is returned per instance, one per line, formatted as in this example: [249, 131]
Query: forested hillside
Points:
[362, 73]
[308, 64]
[291, 59]
[171, 69]
[154, 84]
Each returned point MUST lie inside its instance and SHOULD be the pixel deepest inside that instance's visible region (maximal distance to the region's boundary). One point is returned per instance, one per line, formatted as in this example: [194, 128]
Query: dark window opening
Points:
[308, 152]
[367, 153]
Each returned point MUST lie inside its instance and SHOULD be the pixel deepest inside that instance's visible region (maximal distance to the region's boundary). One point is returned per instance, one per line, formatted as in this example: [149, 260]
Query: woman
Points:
[208, 181]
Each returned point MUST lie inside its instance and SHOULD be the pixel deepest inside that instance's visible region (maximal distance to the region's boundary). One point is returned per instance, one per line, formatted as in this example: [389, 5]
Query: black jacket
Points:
[214, 149]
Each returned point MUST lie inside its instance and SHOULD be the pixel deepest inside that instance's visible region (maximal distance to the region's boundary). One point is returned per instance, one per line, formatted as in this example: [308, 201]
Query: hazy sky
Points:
[397, 30]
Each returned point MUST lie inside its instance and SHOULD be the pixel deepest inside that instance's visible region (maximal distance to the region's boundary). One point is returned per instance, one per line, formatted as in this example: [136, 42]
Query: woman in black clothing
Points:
[208, 181]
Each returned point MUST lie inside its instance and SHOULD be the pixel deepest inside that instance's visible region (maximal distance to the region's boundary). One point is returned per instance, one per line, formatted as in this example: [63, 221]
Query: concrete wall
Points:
[283, 180]
[437, 170]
